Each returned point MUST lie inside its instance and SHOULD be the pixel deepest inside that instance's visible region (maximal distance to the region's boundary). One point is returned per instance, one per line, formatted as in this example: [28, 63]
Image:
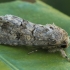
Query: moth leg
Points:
[52, 50]
[33, 51]
[64, 54]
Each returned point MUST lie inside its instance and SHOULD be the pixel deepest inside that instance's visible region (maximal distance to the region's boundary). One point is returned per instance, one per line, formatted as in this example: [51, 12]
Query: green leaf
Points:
[1, 1]
[16, 57]
[4, 66]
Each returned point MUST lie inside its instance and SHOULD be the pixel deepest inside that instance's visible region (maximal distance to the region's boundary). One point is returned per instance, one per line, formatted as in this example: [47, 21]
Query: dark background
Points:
[62, 5]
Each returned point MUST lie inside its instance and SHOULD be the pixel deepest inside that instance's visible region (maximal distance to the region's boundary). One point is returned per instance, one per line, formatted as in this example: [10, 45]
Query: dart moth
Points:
[17, 31]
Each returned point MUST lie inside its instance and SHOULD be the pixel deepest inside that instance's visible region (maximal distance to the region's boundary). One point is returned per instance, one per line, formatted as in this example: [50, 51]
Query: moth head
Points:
[65, 41]
[61, 37]
[64, 44]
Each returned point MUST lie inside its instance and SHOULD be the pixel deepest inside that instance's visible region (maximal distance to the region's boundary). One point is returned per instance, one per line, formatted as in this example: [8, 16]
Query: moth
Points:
[17, 31]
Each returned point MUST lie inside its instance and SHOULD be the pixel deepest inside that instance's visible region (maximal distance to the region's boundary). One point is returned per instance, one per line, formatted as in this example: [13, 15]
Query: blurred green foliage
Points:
[62, 5]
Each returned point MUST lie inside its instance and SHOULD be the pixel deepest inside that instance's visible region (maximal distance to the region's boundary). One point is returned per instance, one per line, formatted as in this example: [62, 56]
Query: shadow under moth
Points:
[17, 31]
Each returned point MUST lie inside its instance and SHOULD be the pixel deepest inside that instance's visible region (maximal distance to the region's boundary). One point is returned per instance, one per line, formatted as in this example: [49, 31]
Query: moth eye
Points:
[64, 45]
